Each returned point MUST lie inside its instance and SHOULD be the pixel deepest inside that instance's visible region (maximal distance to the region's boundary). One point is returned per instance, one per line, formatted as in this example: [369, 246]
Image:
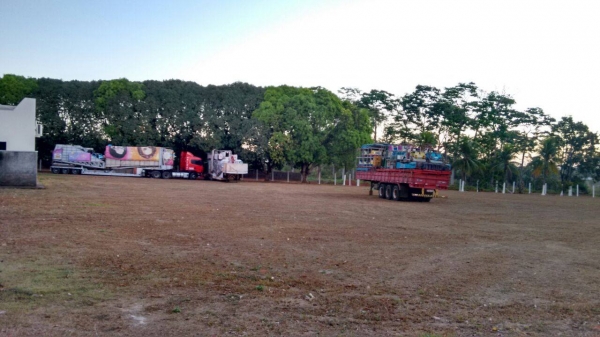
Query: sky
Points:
[543, 53]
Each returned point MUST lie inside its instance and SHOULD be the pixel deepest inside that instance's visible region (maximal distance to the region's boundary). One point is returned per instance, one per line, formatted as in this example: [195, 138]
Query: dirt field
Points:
[98, 256]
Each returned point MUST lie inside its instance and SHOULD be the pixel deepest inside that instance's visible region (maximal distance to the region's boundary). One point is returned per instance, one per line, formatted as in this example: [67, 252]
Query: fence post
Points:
[357, 182]
[477, 186]
[504, 187]
[570, 191]
[256, 174]
[496, 186]
[343, 179]
[288, 178]
[334, 175]
[319, 174]
[513, 187]
[594, 191]
[40, 167]
[273, 175]
[349, 179]
[529, 188]
[578, 190]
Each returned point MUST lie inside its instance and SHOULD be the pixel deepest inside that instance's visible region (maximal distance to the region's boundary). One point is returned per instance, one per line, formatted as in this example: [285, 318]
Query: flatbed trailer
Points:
[122, 172]
[399, 184]
[145, 161]
[403, 171]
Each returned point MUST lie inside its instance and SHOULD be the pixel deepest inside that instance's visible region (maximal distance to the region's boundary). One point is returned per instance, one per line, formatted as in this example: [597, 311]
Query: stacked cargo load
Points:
[401, 156]
[67, 155]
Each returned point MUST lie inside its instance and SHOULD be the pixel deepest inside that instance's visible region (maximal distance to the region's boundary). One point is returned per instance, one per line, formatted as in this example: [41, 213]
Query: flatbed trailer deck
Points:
[401, 184]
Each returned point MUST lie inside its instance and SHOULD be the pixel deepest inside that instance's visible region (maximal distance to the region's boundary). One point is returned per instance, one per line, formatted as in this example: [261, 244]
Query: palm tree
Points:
[466, 161]
[504, 163]
[545, 164]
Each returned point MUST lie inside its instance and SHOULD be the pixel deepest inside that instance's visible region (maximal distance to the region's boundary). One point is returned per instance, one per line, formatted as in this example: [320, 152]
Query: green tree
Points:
[352, 130]
[427, 139]
[466, 161]
[303, 124]
[573, 138]
[545, 163]
[504, 163]
[420, 108]
[118, 102]
[379, 104]
[14, 88]
[455, 108]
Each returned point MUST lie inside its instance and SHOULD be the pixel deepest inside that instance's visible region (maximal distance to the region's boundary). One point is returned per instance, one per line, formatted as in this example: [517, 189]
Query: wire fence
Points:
[320, 175]
[587, 188]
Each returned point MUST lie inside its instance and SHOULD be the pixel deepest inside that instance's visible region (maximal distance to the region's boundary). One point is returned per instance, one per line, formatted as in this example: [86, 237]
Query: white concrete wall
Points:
[18, 126]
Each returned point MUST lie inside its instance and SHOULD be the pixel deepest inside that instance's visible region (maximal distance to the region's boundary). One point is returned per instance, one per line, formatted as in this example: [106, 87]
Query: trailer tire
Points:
[166, 174]
[381, 190]
[396, 193]
[55, 170]
[75, 171]
[155, 174]
[388, 192]
[64, 171]
[193, 176]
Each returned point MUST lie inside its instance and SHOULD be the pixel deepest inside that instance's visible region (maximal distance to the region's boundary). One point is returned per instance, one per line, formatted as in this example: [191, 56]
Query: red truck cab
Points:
[191, 164]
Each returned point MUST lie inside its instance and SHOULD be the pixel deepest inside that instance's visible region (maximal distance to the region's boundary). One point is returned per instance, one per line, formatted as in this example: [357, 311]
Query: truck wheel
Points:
[193, 176]
[64, 171]
[155, 174]
[75, 171]
[55, 170]
[382, 191]
[396, 193]
[166, 174]
[388, 192]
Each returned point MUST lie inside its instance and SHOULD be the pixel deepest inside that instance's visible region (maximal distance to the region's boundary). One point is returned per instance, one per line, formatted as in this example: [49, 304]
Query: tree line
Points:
[486, 138]
[481, 133]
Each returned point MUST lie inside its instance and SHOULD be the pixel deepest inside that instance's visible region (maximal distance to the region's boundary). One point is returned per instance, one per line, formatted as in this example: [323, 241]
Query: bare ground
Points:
[101, 256]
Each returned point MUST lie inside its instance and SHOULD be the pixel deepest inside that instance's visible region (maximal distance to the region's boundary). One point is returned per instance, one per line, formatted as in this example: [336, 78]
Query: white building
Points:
[18, 158]
[18, 127]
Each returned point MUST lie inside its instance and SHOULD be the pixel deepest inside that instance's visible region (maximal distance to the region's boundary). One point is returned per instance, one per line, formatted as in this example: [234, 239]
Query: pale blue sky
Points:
[139, 40]
[545, 53]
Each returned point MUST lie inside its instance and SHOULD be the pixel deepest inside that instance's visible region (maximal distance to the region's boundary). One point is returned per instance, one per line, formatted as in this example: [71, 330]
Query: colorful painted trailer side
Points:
[124, 161]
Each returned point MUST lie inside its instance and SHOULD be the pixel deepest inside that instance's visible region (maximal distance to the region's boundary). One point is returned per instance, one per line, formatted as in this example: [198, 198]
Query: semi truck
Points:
[403, 172]
[145, 161]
